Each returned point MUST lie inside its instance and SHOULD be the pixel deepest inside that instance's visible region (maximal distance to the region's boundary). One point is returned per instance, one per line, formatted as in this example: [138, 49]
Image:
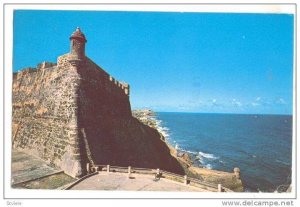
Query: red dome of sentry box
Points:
[77, 34]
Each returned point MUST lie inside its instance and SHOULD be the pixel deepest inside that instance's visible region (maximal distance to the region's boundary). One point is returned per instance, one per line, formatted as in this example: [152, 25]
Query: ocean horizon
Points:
[259, 144]
[191, 112]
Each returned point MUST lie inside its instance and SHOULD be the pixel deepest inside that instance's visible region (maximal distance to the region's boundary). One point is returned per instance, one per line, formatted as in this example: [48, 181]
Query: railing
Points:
[203, 184]
[172, 176]
[161, 174]
[226, 189]
[143, 171]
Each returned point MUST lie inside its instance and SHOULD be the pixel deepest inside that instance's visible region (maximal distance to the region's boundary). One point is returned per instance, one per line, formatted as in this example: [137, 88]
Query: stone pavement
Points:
[27, 167]
[137, 182]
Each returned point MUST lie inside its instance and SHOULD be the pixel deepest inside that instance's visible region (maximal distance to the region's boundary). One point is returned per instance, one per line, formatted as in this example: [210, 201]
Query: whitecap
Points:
[282, 162]
[191, 152]
[163, 131]
[207, 155]
[208, 166]
[165, 128]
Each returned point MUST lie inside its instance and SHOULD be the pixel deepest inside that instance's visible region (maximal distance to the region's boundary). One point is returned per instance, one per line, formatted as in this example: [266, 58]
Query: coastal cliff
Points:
[229, 180]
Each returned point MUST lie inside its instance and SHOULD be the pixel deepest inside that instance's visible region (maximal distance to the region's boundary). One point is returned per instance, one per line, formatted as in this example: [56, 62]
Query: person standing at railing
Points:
[157, 175]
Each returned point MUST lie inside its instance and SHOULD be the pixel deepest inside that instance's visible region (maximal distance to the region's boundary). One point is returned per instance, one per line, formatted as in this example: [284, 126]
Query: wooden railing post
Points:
[219, 188]
[185, 180]
[88, 168]
[129, 171]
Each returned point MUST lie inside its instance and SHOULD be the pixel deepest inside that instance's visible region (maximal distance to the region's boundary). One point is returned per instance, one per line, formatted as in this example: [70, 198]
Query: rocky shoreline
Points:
[188, 161]
[148, 117]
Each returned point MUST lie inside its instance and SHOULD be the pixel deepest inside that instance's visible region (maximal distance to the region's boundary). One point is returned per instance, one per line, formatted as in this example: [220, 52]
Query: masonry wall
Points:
[46, 110]
[100, 94]
[76, 113]
[45, 116]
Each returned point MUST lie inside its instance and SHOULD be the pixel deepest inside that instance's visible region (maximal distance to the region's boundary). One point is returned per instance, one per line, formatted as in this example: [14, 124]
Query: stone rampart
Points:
[73, 113]
[46, 109]
[45, 115]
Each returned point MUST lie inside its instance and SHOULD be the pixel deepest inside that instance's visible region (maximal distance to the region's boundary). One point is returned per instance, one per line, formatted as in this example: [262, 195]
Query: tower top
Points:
[77, 34]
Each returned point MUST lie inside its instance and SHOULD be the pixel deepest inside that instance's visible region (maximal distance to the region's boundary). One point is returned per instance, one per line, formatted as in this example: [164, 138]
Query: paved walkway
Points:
[27, 167]
[137, 182]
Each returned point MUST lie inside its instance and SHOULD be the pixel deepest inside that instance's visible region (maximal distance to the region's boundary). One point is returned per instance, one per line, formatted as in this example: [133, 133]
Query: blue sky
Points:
[192, 62]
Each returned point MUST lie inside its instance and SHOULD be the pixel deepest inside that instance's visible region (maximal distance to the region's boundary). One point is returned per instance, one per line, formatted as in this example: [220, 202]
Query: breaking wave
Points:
[203, 158]
[207, 156]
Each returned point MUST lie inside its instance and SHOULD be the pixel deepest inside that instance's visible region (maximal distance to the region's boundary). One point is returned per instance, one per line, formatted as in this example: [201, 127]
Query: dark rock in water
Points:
[283, 188]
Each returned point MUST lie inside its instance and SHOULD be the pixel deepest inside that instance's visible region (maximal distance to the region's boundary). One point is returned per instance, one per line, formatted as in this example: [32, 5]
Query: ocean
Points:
[260, 145]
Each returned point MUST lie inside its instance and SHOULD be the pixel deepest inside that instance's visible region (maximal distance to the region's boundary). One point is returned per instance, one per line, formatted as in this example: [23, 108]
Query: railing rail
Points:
[115, 169]
[143, 170]
[203, 184]
[226, 189]
[172, 176]
[164, 174]
[197, 181]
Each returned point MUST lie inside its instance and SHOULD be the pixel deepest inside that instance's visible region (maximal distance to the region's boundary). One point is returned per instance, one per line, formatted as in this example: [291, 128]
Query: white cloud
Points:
[255, 104]
[214, 102]
[281, 101]
[236, 103]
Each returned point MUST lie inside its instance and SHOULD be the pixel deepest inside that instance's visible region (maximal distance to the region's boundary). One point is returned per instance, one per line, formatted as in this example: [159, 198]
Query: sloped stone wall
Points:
[113, 136]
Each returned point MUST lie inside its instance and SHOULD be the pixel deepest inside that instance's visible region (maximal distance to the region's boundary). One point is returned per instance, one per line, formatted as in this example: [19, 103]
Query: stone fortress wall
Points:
[75, 113]
[46, 114]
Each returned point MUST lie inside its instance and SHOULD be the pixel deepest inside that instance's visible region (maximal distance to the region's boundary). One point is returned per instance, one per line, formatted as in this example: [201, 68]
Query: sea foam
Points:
[207, 156]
